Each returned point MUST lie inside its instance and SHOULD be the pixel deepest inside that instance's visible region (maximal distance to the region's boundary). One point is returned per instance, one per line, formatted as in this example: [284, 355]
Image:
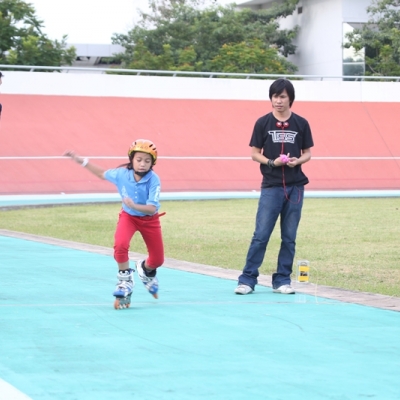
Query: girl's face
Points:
[142, 162]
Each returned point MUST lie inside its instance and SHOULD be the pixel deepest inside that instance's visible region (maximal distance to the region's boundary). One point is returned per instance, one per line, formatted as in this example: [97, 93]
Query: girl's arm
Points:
[148, 209]
[84, 162]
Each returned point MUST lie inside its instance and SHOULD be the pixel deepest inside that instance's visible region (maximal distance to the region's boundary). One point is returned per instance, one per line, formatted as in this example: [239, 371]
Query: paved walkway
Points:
[60, 337]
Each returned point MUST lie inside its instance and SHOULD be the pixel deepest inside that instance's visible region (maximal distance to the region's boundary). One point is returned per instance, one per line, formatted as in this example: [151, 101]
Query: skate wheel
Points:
[155, 295]
[116, 304]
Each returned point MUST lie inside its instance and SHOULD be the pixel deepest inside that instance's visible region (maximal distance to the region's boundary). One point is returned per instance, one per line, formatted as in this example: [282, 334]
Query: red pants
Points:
[150, 228]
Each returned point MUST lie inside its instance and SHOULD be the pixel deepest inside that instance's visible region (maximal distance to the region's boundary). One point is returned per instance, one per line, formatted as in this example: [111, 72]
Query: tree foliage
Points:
[199, 35]
[22, 41]
[380, 38]
[250, 57]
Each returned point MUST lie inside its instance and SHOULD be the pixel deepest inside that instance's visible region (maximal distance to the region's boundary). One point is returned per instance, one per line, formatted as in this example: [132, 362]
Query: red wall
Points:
[46, 126]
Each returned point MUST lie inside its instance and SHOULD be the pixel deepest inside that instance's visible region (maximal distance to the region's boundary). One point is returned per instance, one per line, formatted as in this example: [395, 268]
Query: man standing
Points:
[281, 143]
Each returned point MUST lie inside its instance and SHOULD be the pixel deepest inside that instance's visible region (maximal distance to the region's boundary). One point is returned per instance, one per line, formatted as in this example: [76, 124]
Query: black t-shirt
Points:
[274, 140]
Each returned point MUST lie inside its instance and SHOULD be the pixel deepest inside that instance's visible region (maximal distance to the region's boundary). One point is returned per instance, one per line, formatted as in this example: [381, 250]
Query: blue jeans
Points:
[274, 202]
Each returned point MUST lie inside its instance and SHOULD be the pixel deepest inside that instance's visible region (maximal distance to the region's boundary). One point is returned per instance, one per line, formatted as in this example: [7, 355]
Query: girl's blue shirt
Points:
[146, 191]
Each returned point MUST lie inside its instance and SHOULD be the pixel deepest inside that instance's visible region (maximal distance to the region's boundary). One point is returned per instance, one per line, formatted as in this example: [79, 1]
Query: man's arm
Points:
[256, 155]
[305, 156]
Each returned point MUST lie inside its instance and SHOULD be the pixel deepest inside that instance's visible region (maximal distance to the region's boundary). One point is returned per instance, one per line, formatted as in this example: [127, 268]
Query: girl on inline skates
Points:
[139, 187]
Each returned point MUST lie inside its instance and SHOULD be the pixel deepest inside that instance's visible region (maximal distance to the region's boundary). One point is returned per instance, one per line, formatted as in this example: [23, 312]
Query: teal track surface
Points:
[61, 338]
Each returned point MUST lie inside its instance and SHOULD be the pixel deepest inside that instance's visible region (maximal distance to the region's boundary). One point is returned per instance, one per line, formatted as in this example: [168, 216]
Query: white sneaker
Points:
[243, 289]
[284, 289]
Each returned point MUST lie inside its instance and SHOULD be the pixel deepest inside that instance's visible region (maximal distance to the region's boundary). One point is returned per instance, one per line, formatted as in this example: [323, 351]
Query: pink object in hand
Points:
[284, 158]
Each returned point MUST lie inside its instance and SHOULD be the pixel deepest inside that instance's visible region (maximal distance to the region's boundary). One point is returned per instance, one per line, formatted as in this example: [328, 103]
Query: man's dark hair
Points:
[279, 86]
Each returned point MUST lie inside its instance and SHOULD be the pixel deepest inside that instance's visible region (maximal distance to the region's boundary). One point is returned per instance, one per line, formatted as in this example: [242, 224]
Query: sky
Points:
[90, 21]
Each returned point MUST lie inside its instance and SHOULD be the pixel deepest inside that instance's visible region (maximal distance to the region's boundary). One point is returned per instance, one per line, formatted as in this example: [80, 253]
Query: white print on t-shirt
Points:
[157, 194]
[283, 136]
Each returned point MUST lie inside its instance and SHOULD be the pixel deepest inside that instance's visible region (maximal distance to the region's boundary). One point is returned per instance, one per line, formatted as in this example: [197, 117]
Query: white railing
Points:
[35, 68]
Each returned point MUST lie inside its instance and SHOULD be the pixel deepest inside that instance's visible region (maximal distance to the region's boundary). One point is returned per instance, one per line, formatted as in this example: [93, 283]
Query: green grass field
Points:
[351, 243]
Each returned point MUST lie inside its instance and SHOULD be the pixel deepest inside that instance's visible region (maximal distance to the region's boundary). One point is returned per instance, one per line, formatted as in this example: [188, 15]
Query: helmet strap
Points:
[141, 174]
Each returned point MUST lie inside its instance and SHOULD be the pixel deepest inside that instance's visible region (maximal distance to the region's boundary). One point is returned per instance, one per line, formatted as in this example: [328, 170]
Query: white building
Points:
[91, 55]
[323, 24]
